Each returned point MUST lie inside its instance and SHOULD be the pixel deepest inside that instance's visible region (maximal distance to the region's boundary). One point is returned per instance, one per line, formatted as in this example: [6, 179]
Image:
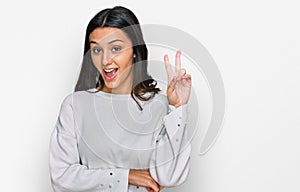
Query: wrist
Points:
[176, 105]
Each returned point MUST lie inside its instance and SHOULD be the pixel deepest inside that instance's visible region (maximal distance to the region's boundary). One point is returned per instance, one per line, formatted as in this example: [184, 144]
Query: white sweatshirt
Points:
[99, 137]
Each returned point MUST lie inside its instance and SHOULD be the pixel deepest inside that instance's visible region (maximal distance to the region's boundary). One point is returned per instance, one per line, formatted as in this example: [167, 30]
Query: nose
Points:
[106, 58]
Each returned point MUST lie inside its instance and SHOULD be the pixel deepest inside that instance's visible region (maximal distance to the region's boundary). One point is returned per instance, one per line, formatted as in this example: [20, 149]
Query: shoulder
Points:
[161, 98]
[75, 97]
[159, 104]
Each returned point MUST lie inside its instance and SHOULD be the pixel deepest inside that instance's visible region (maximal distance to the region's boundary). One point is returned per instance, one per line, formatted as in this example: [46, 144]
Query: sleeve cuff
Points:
[176, 118]
[117, 180]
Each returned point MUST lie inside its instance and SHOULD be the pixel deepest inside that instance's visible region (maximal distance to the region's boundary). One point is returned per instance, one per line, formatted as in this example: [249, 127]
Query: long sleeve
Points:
[170, 161]
[67, 173]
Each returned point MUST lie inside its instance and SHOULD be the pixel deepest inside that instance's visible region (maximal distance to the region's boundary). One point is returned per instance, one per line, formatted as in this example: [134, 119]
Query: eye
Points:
[96, 50]
[116, 49]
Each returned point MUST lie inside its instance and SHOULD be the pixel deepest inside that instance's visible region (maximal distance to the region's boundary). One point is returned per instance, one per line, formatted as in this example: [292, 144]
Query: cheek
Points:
[96, 60]
[124, 62]
[125, 59]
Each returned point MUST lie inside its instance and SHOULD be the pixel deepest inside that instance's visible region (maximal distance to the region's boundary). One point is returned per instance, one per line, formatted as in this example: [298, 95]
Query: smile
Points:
[110, 73]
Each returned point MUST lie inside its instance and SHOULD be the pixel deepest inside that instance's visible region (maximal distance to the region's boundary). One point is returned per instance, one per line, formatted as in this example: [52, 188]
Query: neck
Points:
[119, 90]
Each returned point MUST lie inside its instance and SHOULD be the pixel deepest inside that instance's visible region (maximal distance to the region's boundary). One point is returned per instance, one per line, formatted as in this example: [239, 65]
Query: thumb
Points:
[172, 84]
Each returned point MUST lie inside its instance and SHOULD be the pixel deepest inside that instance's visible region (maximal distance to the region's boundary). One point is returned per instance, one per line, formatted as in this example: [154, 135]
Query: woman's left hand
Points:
[179, 83]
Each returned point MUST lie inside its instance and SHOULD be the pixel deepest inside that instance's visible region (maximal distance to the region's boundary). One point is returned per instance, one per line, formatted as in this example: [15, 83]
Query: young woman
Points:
[116, 132]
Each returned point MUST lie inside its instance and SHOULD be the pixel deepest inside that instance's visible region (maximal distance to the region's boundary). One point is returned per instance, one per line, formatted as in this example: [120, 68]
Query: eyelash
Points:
[116, 47]
[97, 50]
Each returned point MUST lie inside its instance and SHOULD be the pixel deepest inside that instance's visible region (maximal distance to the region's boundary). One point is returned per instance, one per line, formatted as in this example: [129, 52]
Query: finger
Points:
[187, 82]
[181, 75]
[168, 67]
[161, 187]
[188, 77]
[177, 62]
[182, 72]
[153, 186]
[149, 189]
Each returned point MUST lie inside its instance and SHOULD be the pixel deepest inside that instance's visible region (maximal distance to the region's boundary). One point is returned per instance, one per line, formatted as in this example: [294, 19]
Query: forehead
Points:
[107, 34]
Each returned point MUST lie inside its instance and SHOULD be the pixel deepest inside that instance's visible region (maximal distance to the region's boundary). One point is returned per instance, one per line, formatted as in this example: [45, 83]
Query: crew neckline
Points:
[108, 95]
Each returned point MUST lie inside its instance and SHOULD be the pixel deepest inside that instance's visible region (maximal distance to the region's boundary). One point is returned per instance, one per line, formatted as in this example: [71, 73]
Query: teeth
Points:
[108, 70]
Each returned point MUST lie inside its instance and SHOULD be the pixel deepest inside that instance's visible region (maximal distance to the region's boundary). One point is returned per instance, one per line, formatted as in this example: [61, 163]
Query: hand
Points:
[143, 178]
[179, 83]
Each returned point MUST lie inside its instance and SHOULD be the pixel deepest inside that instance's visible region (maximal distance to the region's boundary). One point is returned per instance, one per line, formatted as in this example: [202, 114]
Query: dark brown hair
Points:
[144, 86]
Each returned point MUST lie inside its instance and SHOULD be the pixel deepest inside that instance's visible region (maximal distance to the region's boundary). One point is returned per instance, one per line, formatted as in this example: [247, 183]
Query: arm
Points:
[170, 162]
[171, 159]
[66, 171]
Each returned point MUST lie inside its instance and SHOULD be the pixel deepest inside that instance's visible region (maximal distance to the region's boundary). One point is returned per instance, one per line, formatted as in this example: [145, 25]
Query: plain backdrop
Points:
[256, 47]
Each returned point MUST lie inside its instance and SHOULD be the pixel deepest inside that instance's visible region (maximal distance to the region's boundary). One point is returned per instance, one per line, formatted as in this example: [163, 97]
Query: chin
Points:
[111, 85]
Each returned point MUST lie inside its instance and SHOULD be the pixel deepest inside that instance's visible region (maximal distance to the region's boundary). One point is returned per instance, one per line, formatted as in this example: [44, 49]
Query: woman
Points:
[116, 132]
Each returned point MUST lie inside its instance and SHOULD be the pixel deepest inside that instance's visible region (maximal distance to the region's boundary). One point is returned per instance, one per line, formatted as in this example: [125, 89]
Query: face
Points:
[112, 54]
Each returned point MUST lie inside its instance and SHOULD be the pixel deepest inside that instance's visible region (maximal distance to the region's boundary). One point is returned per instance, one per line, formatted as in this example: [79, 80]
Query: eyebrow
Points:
[110, 42]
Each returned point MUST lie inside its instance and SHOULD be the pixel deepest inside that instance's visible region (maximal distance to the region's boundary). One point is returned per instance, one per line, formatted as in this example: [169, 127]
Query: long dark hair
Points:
[144, 87]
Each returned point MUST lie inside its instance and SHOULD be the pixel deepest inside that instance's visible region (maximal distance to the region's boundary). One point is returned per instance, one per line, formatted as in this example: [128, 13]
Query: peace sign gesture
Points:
[179, 83]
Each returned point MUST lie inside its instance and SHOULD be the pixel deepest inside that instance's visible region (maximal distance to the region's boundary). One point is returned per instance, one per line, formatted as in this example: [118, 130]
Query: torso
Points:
[112, 132]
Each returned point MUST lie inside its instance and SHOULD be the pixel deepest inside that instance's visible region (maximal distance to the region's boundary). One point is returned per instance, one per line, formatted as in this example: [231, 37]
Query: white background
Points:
[254, 43]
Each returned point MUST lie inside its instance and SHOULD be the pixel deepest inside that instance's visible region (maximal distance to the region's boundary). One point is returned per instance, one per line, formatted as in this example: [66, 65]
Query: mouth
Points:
[110, 73]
